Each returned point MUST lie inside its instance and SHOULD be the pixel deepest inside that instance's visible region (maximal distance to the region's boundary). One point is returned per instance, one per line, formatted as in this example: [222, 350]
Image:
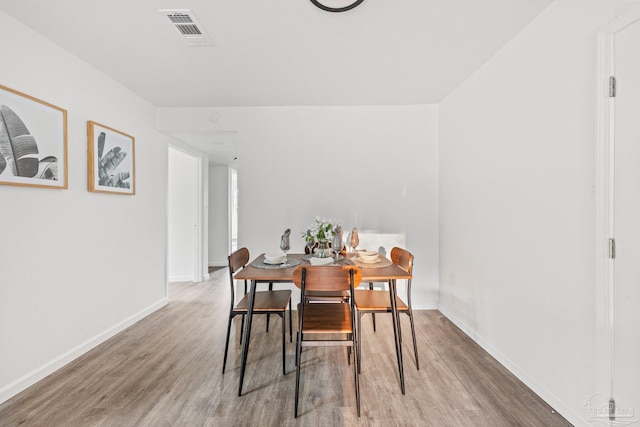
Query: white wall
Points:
[517, 145]
[371, 167]
[517, 203]
[76, 267]
[219, 209]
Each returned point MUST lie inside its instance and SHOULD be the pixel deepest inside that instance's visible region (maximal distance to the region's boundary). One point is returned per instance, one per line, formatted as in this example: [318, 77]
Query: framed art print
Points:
[33, 141]
[111, 160]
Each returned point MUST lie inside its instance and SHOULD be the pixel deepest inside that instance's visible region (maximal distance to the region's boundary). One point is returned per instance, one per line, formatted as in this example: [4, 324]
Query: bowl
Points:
[368, 256]
[273, 257]
[321, 261]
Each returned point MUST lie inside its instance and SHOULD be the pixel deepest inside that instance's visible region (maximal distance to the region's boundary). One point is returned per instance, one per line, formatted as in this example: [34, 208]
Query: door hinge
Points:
[612, 87]
[612, 409]
[612, 248]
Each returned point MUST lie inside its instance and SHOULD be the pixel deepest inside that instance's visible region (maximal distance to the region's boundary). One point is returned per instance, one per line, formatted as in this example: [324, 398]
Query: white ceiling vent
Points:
[188, 26]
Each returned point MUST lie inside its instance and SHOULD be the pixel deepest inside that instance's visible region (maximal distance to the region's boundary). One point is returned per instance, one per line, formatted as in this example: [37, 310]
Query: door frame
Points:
[605, 182]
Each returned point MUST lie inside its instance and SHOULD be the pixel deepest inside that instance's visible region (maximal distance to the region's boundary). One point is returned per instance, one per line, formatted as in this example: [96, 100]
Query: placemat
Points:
[384, 262]
[308, 257]
[259, 263]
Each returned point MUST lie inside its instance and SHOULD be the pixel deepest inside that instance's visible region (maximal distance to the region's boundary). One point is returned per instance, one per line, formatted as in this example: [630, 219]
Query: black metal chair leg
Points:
[226, 345]
[246, 336]
[297, 339]
[396, 333]
[298, 363]
[415, 345]
[268, 315]
[356, 370]
[284, 346]
[290, 324]
[241, 329]
[359, 339]
[373, 315]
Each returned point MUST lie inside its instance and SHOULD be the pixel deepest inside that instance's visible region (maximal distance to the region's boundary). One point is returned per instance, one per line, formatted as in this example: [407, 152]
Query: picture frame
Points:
[33, 141]
[111, 158]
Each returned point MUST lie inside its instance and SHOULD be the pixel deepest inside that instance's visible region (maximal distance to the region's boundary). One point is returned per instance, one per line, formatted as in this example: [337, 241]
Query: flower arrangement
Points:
[321, 230]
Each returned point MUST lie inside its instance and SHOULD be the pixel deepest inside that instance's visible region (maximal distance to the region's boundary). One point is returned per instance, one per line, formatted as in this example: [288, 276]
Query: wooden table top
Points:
[380, 274]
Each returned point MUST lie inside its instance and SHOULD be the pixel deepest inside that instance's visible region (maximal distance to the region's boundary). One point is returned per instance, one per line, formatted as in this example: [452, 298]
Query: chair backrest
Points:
[327, 278]
[237, 261]
[402, 258]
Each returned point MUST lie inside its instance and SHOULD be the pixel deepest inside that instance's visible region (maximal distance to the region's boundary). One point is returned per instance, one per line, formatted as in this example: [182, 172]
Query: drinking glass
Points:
[336, 245]
[355, 241]
[309, 241]
[284, 244]
[310, 244]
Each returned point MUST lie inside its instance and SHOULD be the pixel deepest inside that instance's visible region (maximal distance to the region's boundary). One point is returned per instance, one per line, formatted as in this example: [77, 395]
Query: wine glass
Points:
[355, 241]
[284, 244]
[336, 245]
[309, 242]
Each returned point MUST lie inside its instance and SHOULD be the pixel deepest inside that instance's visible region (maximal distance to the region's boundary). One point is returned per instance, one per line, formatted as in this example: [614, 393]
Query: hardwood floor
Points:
[166, 371]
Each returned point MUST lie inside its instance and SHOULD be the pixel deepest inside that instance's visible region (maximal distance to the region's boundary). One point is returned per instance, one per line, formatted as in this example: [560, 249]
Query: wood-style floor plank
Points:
[166, 371]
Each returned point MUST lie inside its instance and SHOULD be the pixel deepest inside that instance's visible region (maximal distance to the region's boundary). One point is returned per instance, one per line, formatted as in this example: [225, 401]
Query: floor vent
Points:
[188, 26]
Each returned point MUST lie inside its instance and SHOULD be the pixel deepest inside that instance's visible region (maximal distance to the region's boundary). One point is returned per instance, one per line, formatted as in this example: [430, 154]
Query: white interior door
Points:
[233, 210]
[626, 219]
[183, 243]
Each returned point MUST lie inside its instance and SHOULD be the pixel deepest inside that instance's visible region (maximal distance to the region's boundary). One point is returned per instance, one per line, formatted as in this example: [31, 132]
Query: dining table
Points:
[258, 271]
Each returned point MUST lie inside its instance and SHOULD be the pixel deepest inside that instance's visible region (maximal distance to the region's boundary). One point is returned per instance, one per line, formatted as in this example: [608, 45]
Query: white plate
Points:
[272, 262]
[369, 262]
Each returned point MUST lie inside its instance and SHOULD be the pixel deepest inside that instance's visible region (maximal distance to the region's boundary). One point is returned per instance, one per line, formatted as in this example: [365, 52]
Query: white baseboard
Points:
[48, 368]
[180, 279]
[223, 263]
[173, 279]
[424, 305]
[566, 411]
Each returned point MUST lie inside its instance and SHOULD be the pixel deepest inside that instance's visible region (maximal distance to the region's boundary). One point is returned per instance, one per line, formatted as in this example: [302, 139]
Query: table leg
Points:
[246, 334]
[394, 315]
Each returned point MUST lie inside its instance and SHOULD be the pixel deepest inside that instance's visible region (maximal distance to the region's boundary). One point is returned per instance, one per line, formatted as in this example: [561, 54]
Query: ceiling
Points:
[282, 52]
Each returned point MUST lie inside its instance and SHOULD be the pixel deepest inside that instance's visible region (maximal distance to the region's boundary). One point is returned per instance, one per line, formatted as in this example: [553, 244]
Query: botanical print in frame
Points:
[111, 160]
[33, 141]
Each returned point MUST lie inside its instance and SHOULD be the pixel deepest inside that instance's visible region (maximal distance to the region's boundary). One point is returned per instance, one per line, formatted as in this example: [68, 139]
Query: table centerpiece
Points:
[321, 231]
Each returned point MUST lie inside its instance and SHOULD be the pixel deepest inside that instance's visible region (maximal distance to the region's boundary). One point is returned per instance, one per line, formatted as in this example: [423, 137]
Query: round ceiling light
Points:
[336, 5]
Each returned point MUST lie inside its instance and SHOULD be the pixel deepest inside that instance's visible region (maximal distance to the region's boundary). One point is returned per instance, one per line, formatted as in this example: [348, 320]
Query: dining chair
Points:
[265, 302]
[320, 296]
[378, 301]
[319, 321]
